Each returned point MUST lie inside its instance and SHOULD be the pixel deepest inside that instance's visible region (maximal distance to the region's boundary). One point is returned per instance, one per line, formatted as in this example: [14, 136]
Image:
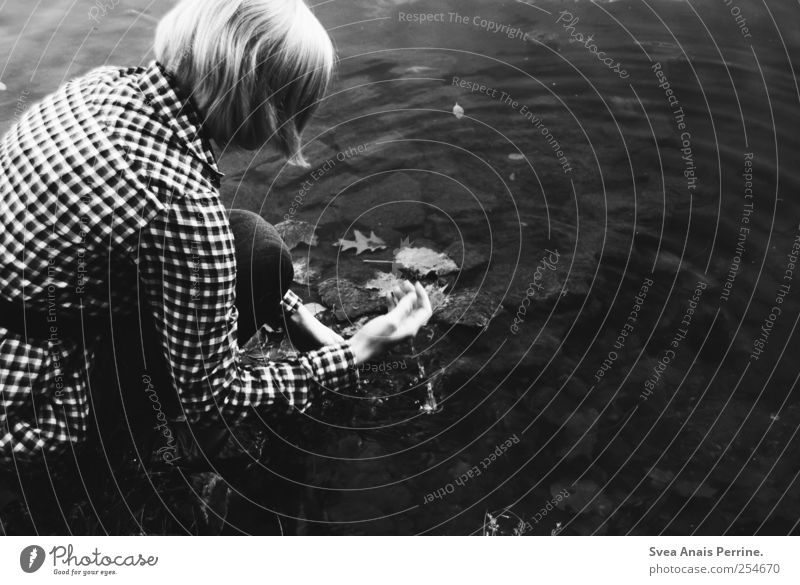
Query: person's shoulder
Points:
[107, 88]
[110, 75]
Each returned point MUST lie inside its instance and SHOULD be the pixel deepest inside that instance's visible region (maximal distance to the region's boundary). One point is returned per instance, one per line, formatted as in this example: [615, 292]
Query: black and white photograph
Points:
[385, 268]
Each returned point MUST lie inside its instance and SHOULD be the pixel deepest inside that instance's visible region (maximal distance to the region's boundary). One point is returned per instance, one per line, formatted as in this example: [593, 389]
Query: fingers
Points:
[423, 299]
[410, 307]
[407, 302]
[397, 293]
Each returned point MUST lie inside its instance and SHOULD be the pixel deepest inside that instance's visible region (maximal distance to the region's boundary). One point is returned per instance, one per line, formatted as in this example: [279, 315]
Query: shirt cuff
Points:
[333, 367]
[291, 302]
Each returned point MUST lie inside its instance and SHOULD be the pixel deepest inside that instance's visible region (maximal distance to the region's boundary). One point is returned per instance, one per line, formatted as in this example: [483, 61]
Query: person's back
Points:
[78, 186]
[110, 206]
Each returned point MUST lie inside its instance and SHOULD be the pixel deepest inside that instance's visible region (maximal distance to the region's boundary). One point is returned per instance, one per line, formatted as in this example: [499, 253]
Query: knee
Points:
[246, 224]
[256, 238]
[256, 233]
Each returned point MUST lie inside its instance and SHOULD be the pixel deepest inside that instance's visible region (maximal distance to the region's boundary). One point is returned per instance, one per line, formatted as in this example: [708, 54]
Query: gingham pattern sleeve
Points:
[187, 269]
[112, 167]
[291, 302]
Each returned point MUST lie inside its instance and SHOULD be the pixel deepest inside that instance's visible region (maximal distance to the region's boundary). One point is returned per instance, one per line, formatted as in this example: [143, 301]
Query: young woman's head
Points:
[256, 69]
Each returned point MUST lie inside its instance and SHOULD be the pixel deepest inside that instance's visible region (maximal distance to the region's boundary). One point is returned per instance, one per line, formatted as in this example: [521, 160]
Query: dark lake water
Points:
[630, 198]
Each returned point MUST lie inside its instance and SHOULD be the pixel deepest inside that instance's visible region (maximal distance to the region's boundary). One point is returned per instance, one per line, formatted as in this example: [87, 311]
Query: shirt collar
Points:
[163, 94]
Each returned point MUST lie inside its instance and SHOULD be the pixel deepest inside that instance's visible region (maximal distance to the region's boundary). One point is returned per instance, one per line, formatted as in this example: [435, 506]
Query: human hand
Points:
[307, 333]
[409, 309]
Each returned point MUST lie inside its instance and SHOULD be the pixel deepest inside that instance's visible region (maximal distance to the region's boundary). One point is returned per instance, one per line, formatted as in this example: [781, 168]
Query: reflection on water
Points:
[649, 377]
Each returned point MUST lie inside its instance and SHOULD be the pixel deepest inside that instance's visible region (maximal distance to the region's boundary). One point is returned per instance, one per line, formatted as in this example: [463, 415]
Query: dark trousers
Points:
[136, 364]
[264, 272]
[125, 432]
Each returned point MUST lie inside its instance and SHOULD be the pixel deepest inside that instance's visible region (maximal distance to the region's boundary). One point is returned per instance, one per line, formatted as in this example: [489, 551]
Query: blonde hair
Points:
[256, 69]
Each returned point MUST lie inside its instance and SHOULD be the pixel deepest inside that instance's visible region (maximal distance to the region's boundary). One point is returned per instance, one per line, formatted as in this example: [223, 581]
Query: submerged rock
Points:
[584, 496]
[468, 308]
[348, 300]
[295, 232]
[303, 273]
[467, 255]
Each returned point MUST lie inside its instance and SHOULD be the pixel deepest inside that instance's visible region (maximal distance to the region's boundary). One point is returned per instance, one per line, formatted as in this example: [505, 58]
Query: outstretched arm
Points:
[187, 272]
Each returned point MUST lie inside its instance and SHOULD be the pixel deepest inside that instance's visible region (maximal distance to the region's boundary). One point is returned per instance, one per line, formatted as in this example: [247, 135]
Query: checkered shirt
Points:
[109, 198]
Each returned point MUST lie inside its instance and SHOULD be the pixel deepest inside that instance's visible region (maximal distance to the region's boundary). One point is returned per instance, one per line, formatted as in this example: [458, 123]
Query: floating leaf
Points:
[516, 156]
[384, 282]
[303, 273]
[404, 243]
[3, 86]
[294, 232]
[512, 176]
[423, 261]
[458, 111]
[362, 243]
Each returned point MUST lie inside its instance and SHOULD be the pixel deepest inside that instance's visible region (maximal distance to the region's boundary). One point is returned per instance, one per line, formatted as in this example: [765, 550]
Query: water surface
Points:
[645, 377]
